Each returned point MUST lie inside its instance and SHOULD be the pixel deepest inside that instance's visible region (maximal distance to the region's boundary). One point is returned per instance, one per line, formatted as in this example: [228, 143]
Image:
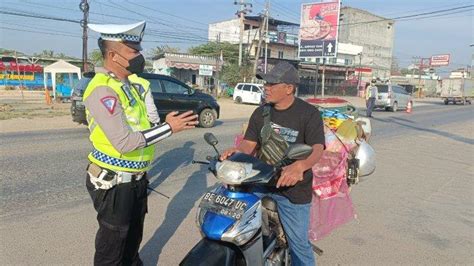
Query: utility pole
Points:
[84, 6]
[19, 80]
[241, 13]
[419, 77]
[316, 80]
[420, 71]
[359, 75]
[323, 79]
[262, 27]
[216, 81]
[267, 15]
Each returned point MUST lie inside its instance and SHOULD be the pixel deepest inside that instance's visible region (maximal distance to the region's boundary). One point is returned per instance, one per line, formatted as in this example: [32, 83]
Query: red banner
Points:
[12, 66]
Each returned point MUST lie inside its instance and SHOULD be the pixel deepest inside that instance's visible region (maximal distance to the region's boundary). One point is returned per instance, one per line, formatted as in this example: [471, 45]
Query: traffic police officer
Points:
[370, 96]
[124, 126]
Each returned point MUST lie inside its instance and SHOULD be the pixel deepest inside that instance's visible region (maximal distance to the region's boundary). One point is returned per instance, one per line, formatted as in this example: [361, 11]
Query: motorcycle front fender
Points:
[210, 252]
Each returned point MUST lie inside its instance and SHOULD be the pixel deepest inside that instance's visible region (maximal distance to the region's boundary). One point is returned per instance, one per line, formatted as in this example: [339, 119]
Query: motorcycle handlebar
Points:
[199, 162]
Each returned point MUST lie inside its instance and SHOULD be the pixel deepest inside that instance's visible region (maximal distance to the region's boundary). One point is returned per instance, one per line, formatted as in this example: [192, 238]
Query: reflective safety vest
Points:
[371, 92]
[133, 105]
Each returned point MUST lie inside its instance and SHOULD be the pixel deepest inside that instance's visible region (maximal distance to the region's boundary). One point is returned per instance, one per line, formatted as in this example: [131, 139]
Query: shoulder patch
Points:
[109, 102]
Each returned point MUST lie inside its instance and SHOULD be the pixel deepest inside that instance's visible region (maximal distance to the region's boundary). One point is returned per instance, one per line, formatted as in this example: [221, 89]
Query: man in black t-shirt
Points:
[297, 122]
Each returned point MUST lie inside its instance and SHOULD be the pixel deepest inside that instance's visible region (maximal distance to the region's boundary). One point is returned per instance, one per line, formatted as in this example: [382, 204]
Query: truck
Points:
[457, 90]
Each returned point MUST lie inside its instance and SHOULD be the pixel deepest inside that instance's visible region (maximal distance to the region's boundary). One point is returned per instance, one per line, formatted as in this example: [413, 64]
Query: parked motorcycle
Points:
[238, 227]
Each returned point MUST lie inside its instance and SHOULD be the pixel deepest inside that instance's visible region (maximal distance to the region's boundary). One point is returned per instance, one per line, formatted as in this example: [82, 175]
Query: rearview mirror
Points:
[210, 139]
[298, 151]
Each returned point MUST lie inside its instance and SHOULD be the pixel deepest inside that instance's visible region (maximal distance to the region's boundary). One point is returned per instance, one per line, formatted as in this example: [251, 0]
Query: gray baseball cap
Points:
[283, 72]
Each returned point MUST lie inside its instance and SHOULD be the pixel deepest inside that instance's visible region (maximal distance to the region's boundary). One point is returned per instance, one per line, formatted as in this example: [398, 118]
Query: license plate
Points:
[223, 205]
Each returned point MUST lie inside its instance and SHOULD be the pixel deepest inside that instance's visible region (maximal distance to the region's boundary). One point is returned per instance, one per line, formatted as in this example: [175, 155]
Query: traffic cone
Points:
[47, 97]
[409, 107]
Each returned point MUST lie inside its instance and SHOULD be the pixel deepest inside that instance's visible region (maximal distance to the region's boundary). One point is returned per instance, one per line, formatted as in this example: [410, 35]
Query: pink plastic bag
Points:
[329, 173]
[331, 205]
[329, 214]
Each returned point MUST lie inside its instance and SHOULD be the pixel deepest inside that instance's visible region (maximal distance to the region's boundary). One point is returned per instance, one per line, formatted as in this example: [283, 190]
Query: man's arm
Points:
[294, 172]
[151, 110]
[246, 146]
[104, 106]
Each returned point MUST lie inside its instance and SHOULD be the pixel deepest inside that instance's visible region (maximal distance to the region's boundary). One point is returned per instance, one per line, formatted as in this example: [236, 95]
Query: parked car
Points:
[248, 93]
[169, 95]
[392, 97]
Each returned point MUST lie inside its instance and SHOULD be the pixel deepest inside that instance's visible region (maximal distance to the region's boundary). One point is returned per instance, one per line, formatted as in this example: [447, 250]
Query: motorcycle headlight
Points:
[234, 173]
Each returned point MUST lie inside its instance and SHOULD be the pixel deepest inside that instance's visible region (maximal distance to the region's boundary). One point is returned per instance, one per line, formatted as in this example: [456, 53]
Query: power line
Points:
[69, 34]
[37, 28]
[42, 32]
[39, 16]
[171, 15]
[424, 8]
[438, 16]
[121, 7]
[79, 36]
[275, 8]
[410, 16]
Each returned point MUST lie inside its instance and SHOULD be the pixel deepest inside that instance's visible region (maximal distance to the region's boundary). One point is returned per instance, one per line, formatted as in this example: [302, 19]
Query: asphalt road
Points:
[416, 209]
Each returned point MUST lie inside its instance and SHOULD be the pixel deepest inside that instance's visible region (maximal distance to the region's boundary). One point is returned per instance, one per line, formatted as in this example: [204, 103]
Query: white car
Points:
[248, 93]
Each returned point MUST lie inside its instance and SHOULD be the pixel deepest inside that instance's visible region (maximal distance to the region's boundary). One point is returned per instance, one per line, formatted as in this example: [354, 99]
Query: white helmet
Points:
[366, 155]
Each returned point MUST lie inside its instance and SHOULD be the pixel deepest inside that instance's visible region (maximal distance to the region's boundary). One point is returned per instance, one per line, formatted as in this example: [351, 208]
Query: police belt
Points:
[103, 178]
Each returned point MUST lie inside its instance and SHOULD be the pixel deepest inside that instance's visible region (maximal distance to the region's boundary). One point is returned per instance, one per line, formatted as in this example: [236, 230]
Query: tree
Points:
[96, 57]
[230, 52]
[159, 51]
[45, 53]
[231, 72]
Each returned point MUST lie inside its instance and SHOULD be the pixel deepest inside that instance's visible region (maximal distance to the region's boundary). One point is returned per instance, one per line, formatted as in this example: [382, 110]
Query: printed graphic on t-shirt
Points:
[288, 134]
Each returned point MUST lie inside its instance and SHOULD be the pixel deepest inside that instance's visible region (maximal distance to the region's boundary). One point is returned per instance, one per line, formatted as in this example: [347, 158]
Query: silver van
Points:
[392, 97]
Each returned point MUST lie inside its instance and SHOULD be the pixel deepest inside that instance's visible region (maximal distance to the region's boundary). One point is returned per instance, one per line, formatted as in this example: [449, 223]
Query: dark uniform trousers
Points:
[120, 212]
[370, 106]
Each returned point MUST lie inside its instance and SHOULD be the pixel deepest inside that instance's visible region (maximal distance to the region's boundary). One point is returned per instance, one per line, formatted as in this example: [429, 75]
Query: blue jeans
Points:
[295, 221]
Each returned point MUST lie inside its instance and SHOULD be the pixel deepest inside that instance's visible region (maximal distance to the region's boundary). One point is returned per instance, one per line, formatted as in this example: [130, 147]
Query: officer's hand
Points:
[227, 153]
[290, 175]
[182, 121]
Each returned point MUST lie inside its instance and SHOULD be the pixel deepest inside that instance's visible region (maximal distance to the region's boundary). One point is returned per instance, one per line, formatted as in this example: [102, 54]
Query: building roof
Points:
[272, 21]
[365, 11]
[62, 66]
[187, 61]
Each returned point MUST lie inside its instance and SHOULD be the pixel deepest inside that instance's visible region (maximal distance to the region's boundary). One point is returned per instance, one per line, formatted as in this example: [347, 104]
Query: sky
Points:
[183, 24]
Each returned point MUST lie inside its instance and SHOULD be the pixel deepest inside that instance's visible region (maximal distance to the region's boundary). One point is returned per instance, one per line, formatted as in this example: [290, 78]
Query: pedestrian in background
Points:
[370, 96]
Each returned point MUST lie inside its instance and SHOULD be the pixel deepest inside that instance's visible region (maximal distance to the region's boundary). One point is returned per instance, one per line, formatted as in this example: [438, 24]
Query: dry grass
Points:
[31, 105]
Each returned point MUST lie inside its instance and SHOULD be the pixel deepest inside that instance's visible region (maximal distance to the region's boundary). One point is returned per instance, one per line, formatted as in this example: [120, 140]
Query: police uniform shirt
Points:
[111, 117]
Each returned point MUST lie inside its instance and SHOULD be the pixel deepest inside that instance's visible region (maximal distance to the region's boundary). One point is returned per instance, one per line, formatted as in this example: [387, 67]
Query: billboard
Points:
[318, 30]
[439, 60]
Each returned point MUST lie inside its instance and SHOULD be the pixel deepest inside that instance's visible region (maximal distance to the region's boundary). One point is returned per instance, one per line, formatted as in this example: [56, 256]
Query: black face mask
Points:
[136, 65]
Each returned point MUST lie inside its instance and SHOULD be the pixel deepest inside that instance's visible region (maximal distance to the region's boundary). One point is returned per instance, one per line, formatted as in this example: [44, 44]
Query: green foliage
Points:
[406, 71]
[96, 58]
[231, 72]
[230, 52]
[159, 51]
